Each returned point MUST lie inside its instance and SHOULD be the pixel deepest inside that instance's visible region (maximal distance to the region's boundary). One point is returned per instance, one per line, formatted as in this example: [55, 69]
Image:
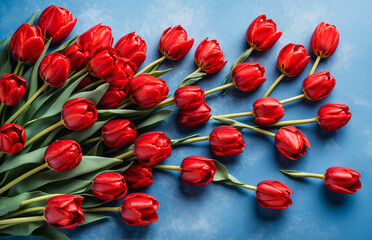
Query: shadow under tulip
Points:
[267, 214]
[192, 192]
[335, 199]
[284, 162]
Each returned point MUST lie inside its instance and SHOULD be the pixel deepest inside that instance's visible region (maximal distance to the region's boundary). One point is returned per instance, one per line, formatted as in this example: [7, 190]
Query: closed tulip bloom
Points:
[54, 69]
[209, 56]
[121, 74]
[64, 211]
[118, 133]
[291, 142]
[147, 91]
[27, 43]
[139, 209]
[194, 117]
[138, 176]
[102, 62]
[63, 155]
[333, 116]
[174, 43]
[267, 110]
[76, 56]
[112, 98]
[262, 34]
[342, 180]
[292, 59]
[152, 147]
[197, 170]
[12, 89]
[273, 194]
[79, 113]
[248, 76]
[12, 138]
[189, 97]
[97, 36]
[318, 85]
[56, 23]
[83, 83]
[226, 141]
[109, 186]
[325, 40]
[132, 47]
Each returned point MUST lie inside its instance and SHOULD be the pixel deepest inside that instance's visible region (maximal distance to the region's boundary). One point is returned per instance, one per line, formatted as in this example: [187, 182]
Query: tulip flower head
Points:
[333, 116]
[112, 98]
[75, 54]
[267, 110]
[196, 170]
[138, 176]
[291, 142]
[342, 180]
[54, 69]
[292, 59]
[132, 47]
[12, 138]
[325, 40]
[78, 114]
[12, 89]
[63, 155]
[97, 36]
[109, 186]
[174, 44]
[226, 141]
[189, 97]
[118, 133]
[248, 76]
[273, 194]
[318, 85]
[209, 56]
[194, 117]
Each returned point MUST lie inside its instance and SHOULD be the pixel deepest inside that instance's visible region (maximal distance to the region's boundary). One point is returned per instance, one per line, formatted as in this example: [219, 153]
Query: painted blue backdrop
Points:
[216, 210]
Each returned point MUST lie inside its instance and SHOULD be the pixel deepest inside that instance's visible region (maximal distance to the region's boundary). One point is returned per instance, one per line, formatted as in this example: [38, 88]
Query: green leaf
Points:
[153, 68]
[91, 217]
[232, 122]
[5, 40]
[90, 202]
[97, 150]
[193, 78]
[32, 19]
[223, 175]
[50, 136]
[153, 120]
[130, 114]
[95, 95]
[69, 186]
[81, 135]
[181, 140]
[49, 232]
[5, 65]
[65, 45]
[34, 157]
[23, 229]
[159, 73]
[10, 204]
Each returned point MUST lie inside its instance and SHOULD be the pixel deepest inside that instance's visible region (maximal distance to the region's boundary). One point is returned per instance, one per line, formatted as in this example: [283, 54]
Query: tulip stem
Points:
[196, 71]
[213, 90]
[22, 220]
[288, 100]
[42, 133]
[19, 63]
[151, 65]
[6, 226]
[315, 65]
[277, 81]
[125, 155]
[127, 102]
[293, 122]
[168, 167]
[78, 74]
[27, 104]
[301, 174]
[6, 173]
[166, 103]
[102, 209]
[27, 210]
[250, 187]
[235, 115]
[92, 140]
[192, 140]
[92, 85]
[20, 72]
[22, 177]
[37, 199]
[2, 105]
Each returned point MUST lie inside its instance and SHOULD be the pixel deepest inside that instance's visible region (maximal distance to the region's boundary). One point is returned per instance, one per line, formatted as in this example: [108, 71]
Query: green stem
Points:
[102, 209]
[293, 122]
[20, 72]
[166, 103]
[235, 115]
[27, 210]
[315, 65]
[277, 81]
[168, 167]
[22, 220]
[288, 100]
[42, 133]
[196, 71]
[3, 115]
[125, 155]
[5, 175]
[302, 174]
[37, 199]
[218, 88]
[250, 187]
[92, 85]
[192, 140]
[6, 226]
[2, 105]
[158, 61]
[19, 63]
[78, 74]
[127, 102]
[92, 140]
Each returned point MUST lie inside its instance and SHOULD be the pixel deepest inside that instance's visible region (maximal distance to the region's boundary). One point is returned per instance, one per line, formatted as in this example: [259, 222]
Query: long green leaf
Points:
[34, 157]
[192, 79]
[65, 45]
[91, 217]
[154, 120]
[159, 73]
[5, 65]
[97, 150]
[23, 229]
[95, 95]
[68, 186]
[130, 114]
[49, 232]
[32, 19]
[10, 204]
[223, 175]
[81, 135]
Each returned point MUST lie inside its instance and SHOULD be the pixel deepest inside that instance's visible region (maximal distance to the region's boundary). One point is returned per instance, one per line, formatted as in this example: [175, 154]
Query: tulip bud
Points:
[132, 47]
[248, 76]
[54, 69]
[152, 147]
[64, 211]
[189, 97]
[273, 194]
[333, 116]
[267, 110]
[121, 74]
[118, 133]
[194, 117]
[12, 138]
[97, 36]
[102, 61]
[262, 34]
[209, 56]
[78, 113]
[63, 155]
[12, 89]
[56, 23]
[75, 54]
[291, 142]
[325, 40]
[342, 180]
[318, 85]
[292, 59]
[83, 83]
[138, 176]
[147, 91]
[196, 170]
[27, 43]
[112, 98]
[226, 141]
[109, 186]
[139, 209]
[174, 44]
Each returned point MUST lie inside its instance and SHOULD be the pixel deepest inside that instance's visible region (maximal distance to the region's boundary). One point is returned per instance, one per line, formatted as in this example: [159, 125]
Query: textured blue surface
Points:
[216, 210]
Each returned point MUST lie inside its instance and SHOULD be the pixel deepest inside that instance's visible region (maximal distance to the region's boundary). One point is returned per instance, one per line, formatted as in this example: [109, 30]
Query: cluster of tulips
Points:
[90, 64]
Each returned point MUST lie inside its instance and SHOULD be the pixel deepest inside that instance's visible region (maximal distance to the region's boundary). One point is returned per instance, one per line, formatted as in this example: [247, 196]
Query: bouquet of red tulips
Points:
[75, 120]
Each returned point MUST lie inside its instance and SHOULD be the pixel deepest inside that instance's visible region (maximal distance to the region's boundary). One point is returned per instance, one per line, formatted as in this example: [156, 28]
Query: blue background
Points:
[217, 210]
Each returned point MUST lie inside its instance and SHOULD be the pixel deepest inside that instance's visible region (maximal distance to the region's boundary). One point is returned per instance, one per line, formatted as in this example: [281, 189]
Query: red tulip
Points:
[147, 91]
[209, 56]
[63, 155]
[291, 142]
[27, 43]
[79, 113]
[189, 97]
[174, 44]
[318, 85]
[325, 40]
[76, 56]
[342, 180]
[333, 116]
[194, 117]
[262, 34]
[273, 194]
[56, 23]
[109, 186]
[12, 89]
[118, 133]
[292, 59]
[102, 62]
[64, 211]
[138, 209]
[121, 74]
[97, 36]
[138, 176]
[132, 47]
[152, 147]
[83, 83]
[54, 69]
[226, 141]
[12, 138]
[196, 170]
[267, 110]
[112, 98]
[248, 76]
